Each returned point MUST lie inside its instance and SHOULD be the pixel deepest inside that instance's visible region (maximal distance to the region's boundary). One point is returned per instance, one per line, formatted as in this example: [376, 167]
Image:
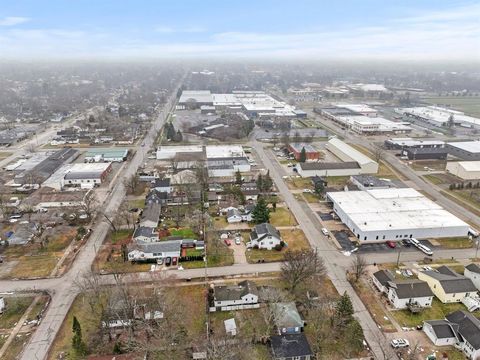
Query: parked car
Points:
[160, 261]
[174, 261]
[238, 241]
[325, 232]
[400, 343]
[427, 268]
[391, 244]
[168, 261]
[228, 242]
[308, 191]
[406, 242]
[426, 250]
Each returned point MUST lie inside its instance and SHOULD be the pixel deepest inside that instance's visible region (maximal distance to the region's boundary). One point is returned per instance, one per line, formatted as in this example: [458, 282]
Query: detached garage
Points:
[466, 170]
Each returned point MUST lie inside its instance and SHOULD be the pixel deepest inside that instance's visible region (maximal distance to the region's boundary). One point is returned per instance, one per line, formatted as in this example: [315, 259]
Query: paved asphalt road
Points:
[63, 290]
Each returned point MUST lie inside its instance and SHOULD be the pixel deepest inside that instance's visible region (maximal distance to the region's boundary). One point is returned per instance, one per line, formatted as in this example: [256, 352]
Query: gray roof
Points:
[473, 268]
[290, 346]
[299, 146]
[83, 175]
[372, 181]
[329, 165]
[152, 212]
[286, 315]
[145, 231]
[160, 246]
[265, 229]
[384, 276]
[233, 212]
[443, 329]
[161, 182]
[235, 292]
[411, 289]
[451, 281]
[468, 326]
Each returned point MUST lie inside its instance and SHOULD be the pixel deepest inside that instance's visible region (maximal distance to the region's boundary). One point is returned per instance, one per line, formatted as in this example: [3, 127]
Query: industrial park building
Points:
[439, 116]
[87, 175]
[466, 170]
[404, 143]
[465, 150]
[347, 153]
[378, 215]
[428, 153]
[106, 155]
[310, 152]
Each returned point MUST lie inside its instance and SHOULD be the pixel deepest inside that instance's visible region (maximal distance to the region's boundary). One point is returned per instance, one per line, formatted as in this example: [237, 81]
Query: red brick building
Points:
[310, 151]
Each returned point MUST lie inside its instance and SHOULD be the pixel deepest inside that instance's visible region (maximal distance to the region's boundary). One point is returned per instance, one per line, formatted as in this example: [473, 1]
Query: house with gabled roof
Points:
[290, 347]
[264, 236]
[448, 285]
[411, 294]
[472, 271]
[244, 295]
[287, 319]
[381, 278]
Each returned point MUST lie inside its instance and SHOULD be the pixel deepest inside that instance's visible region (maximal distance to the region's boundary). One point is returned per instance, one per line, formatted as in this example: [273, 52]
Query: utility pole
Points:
[398, 257]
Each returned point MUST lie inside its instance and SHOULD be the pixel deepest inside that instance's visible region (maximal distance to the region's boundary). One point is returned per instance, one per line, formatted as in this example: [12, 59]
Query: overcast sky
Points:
[297, 29]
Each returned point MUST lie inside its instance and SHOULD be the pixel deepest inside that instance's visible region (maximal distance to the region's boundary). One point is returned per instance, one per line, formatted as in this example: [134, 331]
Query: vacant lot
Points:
[299, 183]
[468, 104]
[282, 217]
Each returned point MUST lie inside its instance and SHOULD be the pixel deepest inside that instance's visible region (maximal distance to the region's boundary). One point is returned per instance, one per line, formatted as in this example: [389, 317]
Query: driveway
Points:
[239, 253]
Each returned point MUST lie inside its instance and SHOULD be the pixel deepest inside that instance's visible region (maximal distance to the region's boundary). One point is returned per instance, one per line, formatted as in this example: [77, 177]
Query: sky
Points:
[235, 29]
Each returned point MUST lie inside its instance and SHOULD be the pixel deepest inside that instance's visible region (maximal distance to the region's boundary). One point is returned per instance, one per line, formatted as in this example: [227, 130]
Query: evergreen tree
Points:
[344, 310]
[178, 136]
[319, 188]
[260, 182]
[303, 155]
[267, 182]
[170, 130]
[238, 178]
[77, 343]
[260, 213]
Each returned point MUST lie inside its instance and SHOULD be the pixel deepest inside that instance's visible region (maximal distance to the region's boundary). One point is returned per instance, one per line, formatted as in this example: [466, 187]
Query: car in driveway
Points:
[238, 240]
[399, 343]
[168, 261]
[228, 242]
[391, 244]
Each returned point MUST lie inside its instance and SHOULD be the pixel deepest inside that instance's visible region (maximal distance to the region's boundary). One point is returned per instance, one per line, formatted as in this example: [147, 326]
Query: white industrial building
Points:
[89, 174]
[368, 125]
[378, 215]
[465, 150]
[439, 116]
[360, 109]
[466, 170]
[347, 153]
[169, 152]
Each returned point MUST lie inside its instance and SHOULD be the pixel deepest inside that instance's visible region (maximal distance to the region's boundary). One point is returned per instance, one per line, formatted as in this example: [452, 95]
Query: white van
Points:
[325, 232]
[426, 250]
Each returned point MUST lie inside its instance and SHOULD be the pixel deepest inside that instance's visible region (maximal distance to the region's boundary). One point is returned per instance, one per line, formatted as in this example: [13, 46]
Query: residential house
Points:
[409, 294]
[460, 329]
[264, 236]
[381, 278]
[23, 234]
[287, 319]
[472, 271]
[162, 185]
[234, 216]
[447, 285]
[244, 295]
[144, 252]
[145, 234]
[155, 196]
[291, 347]
[151, 215]
[250, 190]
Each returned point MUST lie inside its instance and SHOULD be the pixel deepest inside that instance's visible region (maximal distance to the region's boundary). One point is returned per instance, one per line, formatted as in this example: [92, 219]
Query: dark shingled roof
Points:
[473, 268]
[468, 326]
[223, 293]
[443, 329]
[329, 165]
[290, 346]
[451, 281]
[384, 276]
[411, 289]
[266, 228]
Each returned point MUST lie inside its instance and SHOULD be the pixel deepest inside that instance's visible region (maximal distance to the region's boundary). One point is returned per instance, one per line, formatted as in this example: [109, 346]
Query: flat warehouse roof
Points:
[414, 142]
[351, 152]
[470, 146]
[359, 108]
[393, 209]
[470, 165]
[107, 152]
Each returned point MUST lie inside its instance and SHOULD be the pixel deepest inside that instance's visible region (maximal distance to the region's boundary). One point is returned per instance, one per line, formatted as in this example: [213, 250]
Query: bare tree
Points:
[358, 267]
[300, 266]
[90, 203]
[378, 153]
[132, 184]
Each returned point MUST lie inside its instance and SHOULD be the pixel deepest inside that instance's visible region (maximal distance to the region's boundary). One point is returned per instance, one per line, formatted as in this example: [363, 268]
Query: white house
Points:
[264, 236]
[244, 295]
[143, 252]
[460, 329]
[234, 216]
[145, 234]
[409, 293]
[472, 271]
[381, 278]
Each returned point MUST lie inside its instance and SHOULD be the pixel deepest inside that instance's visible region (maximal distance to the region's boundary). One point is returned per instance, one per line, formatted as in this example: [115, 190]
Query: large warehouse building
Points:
[348, 154]
[466, 170]
[465, 150]
[378, 215]
[440, 116]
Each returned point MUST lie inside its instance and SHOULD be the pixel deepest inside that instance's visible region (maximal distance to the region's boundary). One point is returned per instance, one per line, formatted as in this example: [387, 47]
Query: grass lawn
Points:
[295, 240]
[119, 236]
[371, 301]
[437, 311]
[468, 104]
[138, 203]
[311, 198]
[220, 222]
[438, 262]
[282, 217]
[433, 179]
[186, 233]
[16, 346]
[468, 197]
[16, 306]
[455, 242]
[337, 181]
[294, 183]
[4, 154]
[249, 322]
[34, 266]
[38, 307]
